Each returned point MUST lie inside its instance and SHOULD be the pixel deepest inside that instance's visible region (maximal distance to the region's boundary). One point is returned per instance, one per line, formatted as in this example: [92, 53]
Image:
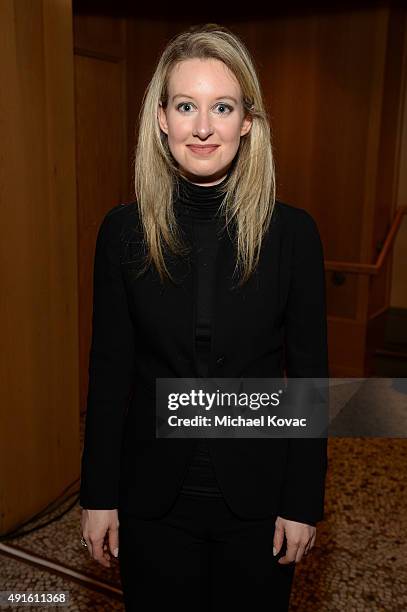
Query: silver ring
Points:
[83, 542]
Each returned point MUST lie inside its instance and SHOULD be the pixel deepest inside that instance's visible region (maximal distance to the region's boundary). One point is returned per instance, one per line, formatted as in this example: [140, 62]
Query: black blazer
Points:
[143, 330]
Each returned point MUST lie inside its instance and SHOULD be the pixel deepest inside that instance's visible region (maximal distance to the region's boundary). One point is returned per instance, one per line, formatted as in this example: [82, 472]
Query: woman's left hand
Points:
[300, 539]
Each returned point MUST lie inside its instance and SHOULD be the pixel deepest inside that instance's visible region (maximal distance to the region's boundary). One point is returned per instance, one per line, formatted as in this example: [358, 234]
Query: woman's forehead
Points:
[201, 76]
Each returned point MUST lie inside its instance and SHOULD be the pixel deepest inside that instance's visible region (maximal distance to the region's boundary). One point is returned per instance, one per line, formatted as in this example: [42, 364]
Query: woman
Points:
[206, 274]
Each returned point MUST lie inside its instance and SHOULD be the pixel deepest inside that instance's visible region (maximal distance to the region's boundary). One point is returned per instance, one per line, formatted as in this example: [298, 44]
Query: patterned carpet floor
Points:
[359, 562]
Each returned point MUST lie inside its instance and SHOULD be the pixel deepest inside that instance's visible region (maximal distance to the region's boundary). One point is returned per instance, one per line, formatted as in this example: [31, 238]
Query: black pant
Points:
[201, 557]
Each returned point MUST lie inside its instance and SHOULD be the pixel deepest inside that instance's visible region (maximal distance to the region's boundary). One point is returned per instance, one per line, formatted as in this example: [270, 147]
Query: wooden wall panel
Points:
[39, 433]
[101, 150]
[388, 162]
[399, 274]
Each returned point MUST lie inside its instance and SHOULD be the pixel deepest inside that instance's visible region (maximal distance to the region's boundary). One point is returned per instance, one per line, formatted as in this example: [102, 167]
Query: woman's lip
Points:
[203, 149]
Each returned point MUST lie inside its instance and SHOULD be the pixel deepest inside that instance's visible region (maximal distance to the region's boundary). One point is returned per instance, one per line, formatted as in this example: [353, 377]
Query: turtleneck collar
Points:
[198, 201]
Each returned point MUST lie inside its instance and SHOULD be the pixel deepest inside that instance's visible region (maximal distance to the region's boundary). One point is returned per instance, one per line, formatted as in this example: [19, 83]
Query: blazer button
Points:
[220, 360]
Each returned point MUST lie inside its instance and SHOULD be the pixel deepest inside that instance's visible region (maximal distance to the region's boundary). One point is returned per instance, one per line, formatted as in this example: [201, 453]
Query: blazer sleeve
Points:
[306, 356]
[111, 371]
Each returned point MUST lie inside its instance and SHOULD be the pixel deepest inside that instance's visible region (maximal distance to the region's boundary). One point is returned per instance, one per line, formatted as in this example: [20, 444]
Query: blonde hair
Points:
[249, 191]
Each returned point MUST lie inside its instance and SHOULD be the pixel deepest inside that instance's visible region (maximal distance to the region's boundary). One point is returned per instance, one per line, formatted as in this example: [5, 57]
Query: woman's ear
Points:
[162, 118]
[246, 125]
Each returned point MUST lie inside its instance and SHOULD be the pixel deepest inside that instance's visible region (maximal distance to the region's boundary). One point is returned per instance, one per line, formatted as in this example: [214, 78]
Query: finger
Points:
[98, 554]
[89, 544]
[84, 529]
[278, 539]
[114, 541]
[106, 553]
[309, 545]
[290, 554]
[300, 553]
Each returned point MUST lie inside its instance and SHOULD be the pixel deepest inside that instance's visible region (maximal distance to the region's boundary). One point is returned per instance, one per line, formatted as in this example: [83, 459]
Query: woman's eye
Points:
[227, 108]
[183, 104]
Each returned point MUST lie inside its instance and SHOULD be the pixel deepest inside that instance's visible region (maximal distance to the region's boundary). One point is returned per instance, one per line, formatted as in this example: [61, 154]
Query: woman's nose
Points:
[203, 125]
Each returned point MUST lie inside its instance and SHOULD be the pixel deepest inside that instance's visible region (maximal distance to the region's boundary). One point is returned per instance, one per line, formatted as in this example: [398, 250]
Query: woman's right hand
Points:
[95, 525]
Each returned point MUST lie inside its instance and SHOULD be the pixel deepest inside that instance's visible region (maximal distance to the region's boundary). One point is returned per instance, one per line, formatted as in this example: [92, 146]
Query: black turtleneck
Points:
[199, 202]
[199, 206]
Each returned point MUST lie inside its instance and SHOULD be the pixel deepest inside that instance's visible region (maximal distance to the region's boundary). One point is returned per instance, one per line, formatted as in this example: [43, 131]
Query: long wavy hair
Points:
[249, 191]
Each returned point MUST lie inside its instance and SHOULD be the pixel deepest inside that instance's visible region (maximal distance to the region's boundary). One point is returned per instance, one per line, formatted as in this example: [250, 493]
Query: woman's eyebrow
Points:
[217, 98]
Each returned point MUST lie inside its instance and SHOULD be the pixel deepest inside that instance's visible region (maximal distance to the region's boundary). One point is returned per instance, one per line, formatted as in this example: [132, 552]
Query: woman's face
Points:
[204, 108]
